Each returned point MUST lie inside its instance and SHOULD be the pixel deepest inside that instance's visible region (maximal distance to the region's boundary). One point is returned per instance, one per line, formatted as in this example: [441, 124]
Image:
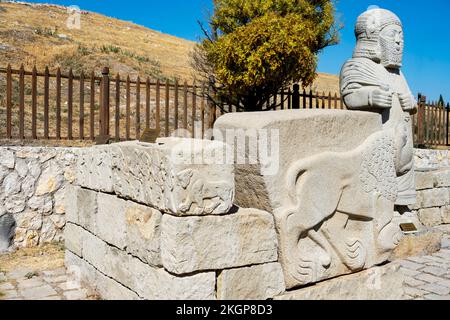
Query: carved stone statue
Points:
[372, 81]
[341, 173]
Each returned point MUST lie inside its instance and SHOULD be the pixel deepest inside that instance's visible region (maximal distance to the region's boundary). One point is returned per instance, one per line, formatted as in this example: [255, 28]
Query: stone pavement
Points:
[47, 285]
[428, 277]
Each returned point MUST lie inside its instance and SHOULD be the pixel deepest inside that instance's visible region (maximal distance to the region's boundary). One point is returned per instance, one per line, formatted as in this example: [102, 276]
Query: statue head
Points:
[379, 35]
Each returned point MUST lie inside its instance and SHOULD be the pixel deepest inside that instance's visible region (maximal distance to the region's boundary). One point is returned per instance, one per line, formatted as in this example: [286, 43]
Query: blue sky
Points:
[427, 51]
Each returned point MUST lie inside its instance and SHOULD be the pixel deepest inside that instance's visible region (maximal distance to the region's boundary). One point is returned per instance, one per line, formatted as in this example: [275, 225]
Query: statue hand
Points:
[407, 101]
[381, 98]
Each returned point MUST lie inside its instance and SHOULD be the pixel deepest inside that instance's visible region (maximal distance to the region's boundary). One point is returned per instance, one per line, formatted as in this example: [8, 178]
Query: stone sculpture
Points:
[372, 81]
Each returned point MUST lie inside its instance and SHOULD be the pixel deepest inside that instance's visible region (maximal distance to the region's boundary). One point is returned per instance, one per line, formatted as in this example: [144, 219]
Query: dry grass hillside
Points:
[37, 34]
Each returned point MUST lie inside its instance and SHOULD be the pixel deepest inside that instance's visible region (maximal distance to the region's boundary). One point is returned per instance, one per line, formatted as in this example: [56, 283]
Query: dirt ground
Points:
[47, 257]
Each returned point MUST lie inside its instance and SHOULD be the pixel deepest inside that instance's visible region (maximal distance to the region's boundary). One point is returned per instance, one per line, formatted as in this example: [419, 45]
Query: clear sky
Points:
[427, 30]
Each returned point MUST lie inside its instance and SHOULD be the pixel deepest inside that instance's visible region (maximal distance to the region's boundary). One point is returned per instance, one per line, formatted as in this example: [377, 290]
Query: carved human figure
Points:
[372, 81]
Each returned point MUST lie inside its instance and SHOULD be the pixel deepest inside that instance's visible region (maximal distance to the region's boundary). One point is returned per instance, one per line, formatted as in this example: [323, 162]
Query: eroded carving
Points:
[358, 185]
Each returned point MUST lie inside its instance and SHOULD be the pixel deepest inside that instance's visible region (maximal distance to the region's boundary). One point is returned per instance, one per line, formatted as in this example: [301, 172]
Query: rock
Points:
[7, 226]
[7, 159]
[4, 171]
[58, 221]
[182, 177]
[110, 220]
[430, 217]
[445, 213]
[81, 207]
[28, 186]
[259, 282]
[11, 184]
[377, 283]
[50, 180]
[42, 204]
[60, 200]
[148, 282]
[15, 203]
[432, 198]
[190, 244]
[425, 180]
[442, 178]
[352, 158]
[30, 220]
[105, 286]
[21, 167]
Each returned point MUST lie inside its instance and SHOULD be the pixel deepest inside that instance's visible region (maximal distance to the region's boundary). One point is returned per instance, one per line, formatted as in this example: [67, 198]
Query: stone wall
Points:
[33, 184]
[433, 197]
[155, 228]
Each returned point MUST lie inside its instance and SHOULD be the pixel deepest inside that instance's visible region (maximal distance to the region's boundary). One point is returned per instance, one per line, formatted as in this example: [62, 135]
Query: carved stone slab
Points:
[334, 191]
[177, 176]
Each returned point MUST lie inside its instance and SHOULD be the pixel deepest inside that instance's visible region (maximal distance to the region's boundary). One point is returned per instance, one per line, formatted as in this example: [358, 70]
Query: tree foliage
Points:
[253, 48]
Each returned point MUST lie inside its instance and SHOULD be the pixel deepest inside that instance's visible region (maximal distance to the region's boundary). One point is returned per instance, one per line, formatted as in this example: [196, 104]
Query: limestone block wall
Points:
[33, 183]
[141, 225]
[433, 197]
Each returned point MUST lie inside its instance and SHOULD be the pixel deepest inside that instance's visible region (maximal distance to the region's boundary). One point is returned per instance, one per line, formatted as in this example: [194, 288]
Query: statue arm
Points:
[367, 97]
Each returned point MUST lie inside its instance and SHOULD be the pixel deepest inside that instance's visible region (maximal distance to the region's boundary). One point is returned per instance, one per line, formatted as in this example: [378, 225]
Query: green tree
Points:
[441, 101]
[253, 48]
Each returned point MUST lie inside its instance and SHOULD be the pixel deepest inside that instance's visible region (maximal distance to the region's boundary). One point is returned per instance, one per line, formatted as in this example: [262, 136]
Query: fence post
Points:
[447, 111]
[104, 108]
[420, 120]
[296, 97]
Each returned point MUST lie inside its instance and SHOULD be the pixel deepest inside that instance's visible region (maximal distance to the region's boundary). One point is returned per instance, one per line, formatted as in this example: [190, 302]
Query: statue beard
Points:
[390, 56]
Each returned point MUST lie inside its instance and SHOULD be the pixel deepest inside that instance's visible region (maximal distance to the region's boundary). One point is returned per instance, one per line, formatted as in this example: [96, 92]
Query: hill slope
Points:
[37, 34]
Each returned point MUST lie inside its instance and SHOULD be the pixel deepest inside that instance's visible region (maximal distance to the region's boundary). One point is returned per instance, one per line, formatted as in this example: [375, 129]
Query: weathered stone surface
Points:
[177, 176]
[258, 282]
[378, 283]
[7, 225]
[110, 220]
[30, 179]
[432, 198]
[191, 244]
[445, 213]
[425, 180]
[148, 282]
[105, 286]
[81, 207]
[143, 233]
[427, 159]
[351, 148]
[430, 217]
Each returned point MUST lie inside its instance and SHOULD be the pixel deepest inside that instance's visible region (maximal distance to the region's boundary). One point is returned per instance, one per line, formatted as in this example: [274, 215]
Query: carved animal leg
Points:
[389, 233]
[289, 239]
[322, 242]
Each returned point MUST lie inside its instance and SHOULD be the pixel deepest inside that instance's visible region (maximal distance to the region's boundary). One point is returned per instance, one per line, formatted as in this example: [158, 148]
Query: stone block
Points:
[425, 180]
[445, 213]
[442, 178]
[190, 244]
[258, 282]
[111, 220]
[106, 287]
[178, 176]
[432, 198]
[94, 168]
[146, 281]
[73, 236]
[81, 207]
[430, 217]
[377, 283]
